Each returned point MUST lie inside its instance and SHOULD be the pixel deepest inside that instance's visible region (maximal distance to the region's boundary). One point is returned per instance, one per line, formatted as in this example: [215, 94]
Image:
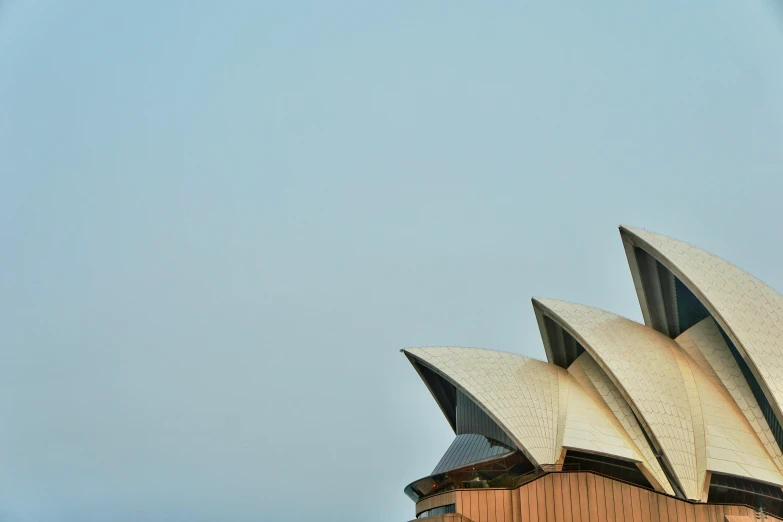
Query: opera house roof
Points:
[693, 393]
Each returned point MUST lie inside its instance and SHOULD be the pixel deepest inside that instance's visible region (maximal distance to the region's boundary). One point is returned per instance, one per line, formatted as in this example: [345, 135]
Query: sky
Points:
[221, 221]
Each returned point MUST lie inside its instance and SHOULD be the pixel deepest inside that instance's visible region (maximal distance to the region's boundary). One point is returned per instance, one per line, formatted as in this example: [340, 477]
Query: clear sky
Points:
[221, 221]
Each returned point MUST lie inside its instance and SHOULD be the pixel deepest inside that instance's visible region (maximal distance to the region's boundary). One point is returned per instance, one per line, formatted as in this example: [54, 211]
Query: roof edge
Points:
[506, 430]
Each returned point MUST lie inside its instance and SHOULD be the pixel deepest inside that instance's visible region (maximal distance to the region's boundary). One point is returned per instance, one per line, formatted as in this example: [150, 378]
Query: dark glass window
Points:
[607, 466]
[470, 449]
[734, 490]
[440, 510]
[672, 308]
[565, 348]
[444, 392]
[502, 472]
[689, 309]
[472, 419]
[758, 393]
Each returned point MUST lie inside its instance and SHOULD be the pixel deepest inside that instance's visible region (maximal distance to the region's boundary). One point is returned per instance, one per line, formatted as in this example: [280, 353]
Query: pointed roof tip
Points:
[559, 306]
[640, 232]
[540, 301]
[637, 234]
[422, 351]
[414, 351]
[407, 353]
[543, 299]
[649, 237]
[628, 229]
[547, 302]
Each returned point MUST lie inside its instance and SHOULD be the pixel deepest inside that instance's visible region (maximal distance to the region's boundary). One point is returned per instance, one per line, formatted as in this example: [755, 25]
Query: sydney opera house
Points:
[676, 419]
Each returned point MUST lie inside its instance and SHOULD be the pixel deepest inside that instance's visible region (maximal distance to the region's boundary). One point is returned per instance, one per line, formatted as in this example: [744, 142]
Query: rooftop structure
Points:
[675, 419]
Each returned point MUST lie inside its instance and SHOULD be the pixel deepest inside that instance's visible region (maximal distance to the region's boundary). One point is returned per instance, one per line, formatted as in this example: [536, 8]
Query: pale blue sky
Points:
[220, 221]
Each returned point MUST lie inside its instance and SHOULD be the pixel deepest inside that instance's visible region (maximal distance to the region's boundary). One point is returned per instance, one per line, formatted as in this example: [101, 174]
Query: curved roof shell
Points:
[587, 372]
[519, 394]
[749, 311]
[541, 407]
[738, 440]
[643, 364]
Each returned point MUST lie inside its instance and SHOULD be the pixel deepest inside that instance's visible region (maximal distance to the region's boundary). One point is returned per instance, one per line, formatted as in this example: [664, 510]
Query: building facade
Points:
[677, 419]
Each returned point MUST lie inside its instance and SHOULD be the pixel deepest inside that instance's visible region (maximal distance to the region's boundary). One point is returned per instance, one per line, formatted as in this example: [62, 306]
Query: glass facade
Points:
[689, 309]
[503, 472]
[440, 510]
[658, 292]
[607, 466]
[444, 392]
[565, 349]
[472, 419]
[481, 456]
[471, 449]
[758, 393]
[733, 490]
